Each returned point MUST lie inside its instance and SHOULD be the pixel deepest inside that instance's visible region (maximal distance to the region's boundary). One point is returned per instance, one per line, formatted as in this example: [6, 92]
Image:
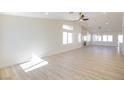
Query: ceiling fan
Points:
[81, 18]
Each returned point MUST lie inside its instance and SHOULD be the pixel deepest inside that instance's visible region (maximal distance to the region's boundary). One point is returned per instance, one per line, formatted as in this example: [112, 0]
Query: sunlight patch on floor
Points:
[35, 63]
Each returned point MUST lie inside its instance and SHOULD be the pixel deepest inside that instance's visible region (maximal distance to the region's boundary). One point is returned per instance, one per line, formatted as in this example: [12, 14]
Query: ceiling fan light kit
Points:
[81, 18]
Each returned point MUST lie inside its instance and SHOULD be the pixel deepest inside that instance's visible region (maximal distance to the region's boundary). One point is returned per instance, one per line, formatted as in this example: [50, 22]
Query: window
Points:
[79, 37]
[104, 38]
[88, 37]
[107, 38]
[110, 38]
[67, 38]
[99, 38]
[94, 37]
[85, 38]
[120, 38]
[67, 35]
[67, 27]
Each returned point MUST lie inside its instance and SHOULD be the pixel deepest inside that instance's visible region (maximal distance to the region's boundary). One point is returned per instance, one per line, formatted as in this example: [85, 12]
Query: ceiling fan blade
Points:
[81, 17]
[85, 19]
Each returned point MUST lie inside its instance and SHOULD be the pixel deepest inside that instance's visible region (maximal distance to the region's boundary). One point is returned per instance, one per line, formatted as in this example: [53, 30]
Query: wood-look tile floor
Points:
[89, 63]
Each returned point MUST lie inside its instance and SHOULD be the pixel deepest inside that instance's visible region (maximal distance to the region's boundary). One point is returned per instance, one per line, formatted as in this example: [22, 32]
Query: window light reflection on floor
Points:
[35, 63]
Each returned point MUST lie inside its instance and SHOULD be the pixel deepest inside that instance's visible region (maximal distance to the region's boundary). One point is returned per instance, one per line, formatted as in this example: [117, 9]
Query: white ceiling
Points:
[107, 21]
[46, 15]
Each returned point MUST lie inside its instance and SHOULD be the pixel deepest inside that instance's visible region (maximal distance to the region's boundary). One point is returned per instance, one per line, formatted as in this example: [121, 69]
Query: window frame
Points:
[108, 38]
[99, 38]
[120, 41]
[103, 37]
[67, 38]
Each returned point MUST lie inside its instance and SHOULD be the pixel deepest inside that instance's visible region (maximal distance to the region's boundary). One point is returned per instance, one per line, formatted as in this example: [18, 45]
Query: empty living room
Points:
[61, 46]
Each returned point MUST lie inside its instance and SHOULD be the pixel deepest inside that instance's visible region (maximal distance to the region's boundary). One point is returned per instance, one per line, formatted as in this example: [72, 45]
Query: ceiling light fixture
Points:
[80, 20]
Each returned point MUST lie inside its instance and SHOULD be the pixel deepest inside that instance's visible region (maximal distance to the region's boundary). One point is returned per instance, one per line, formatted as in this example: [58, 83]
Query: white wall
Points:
[22, 36]
[115, 38]
[122, 47]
